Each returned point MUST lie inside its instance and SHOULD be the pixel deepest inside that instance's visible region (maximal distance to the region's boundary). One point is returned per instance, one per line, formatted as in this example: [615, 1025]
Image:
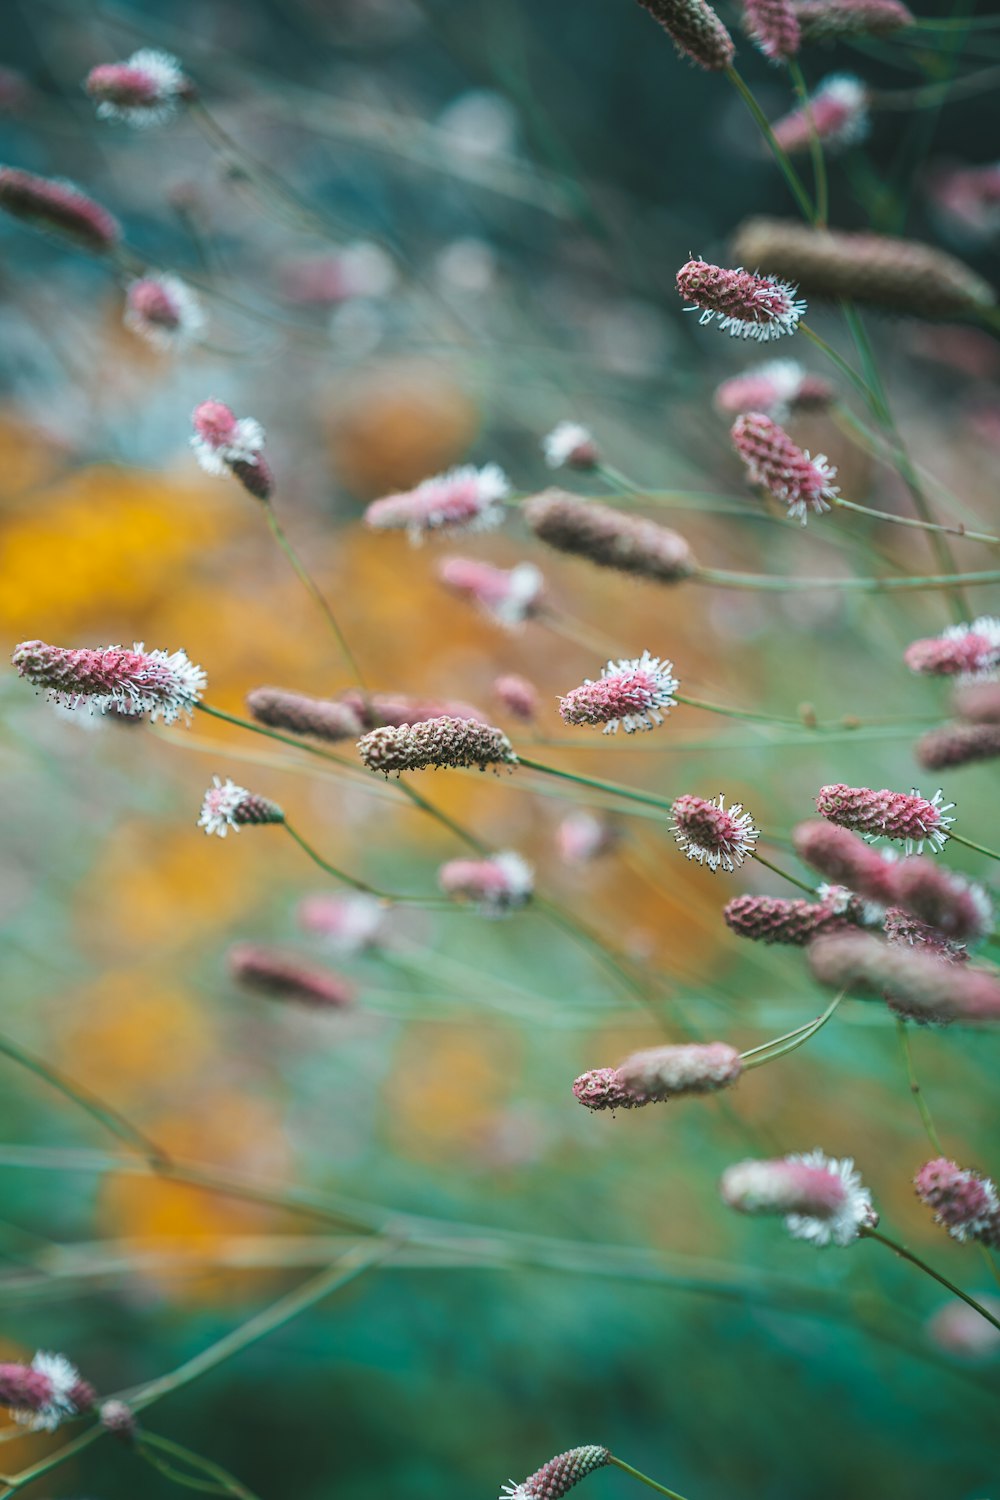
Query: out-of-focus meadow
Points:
[527, 180]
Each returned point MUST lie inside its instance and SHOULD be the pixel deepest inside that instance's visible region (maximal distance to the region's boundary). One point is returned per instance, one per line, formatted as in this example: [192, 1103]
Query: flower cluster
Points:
[711, 834]
[226, 444]
[966, 1204]
[822, 1200]
[164, 685]
[227, 805]
[627, 693]
[748, 306]
[464, 499]
[786, 471]
[911, 819]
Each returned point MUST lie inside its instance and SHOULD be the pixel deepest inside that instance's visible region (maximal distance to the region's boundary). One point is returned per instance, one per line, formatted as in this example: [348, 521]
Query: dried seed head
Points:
[570, 446]
[957, 745]
[227, 805]
[560, 1474]
[464, 499]
[774, 919]
[45, 1393]
[604, 1088]
[608, 538]
[773, 26]
[224, 444]
[958, 908]
[748, 306]
[900, 275]
[777, 387]
[922, 984]
[497, 885]
[970, 653]
[281, 977]
[837, 113]
[826, 20]
[965, 1203]
[822, 1200]
[58, 207]
[163, 311]
[323, 718]
[845, 859]
[147, 89]
[350, 923]
[695, 31]
[166, 685]
[630, 693]
[696, 1068]
[436, 742]
[518, 696]
[375, 710]
[582, 836]
[508, 595]
[786, 471]
[707, 832]
[912, 819]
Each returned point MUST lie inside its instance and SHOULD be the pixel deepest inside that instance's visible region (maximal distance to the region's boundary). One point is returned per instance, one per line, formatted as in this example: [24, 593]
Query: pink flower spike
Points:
[280, 977]
[775, 919]
[845, 859]
[909, 932]
[822, 1200]
[773, 26]
[957, 745]
[559, 1475]
[45, 1393]
[825, 20]
[774, 387]
[912, 819]
[604, 1088]
[518, 696]
[164, 685]
[496, 886]
[695, 31]
[227, 805]
[507, 595]
[224, 444]
[747, 306]
[629, 693]
[969, 653]
[707, 832]
[118, 1418]
[979, 702]
[837, 112]
[696, 1068]
[348, 924]
[464, 499]
[926, 985]
[147, 89]
[164, 312]
[961, 1331]
[435, 742]
[963, 1202]
[958, 908]
[48, 203]
[787, 472]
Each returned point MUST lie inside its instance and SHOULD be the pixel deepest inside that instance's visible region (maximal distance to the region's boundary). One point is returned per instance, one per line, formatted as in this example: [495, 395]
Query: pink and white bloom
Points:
[837, 112]
[970, 198]
[570, 446]
[774, 387]
[911, 819]
[518, 695]
[221, 439]
[969, 653]
[823, 1200]
[463, 499]
[773, 26]
[45, 1393]
[227, 805]
[747, 306]
[348, 924]
[778, 465]
[693, 1068]
[508, 595]
[711, 834]
[559, 1475]
[629, 693]
[497, 885]
[966, 1204]
[147, 89]
[163, 311]
[583, 836]
[164, 685]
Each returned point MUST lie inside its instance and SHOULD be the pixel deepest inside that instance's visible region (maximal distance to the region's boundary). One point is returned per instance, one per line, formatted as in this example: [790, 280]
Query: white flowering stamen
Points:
[242, 446]
[64, 1379]
[569, 443]
[223, 801]
[853, 1214]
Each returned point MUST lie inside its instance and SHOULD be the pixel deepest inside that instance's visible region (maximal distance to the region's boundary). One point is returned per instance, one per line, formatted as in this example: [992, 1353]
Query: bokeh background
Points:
[524, 181]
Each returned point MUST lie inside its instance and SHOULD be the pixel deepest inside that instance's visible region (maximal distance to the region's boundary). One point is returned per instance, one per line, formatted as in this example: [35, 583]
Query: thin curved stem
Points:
[903, 1033]
[969, 844]
[314, 591]
[777, 870]
[754, 1058]
[915, 1260]
[781, 157]
[218, 1480]
[958, 530]
[652, 1484]
[768, 583]
[815, 145]
[388, 897]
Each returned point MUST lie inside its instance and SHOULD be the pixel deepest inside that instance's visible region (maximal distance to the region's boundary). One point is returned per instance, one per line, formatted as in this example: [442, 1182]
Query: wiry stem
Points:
[314, 591]
[915, 1260]
[661, 1489]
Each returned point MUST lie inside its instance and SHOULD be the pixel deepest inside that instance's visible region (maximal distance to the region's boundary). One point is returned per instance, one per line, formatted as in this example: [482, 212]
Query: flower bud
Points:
[926, 987]
[609, 538]
[559, 1475]
[604, 1088]
[349, 923]
[518, 696]
[776, 387]
[164, 312]
[775, 919]
[695, 31]
[47, 203]
[957, 745]
[322, 718]
[837, 113]
[747, 305]
[497, 885]
[963, 1202]
[280, 977]
[696, 1068]
[119, 1419]
[630, 693]
[165, 685]
[911, 819]
[773, 26]
[845, 859]
[464, 499]
[707, 832]
[978, 702]
[822, 1200]
[957, 908]
[826, 20]
[45, 1393]
[147, 89]
[507, 595]
[436, 742]
[969, 653]
[227, 805]
[570, 446]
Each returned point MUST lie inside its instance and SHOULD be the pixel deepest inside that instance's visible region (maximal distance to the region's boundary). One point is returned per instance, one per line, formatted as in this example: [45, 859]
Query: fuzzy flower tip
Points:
[570, 446]
[786, 471]
[957, 745]
[349, 923]
[58, 207]
[924, 983]
[164, 685]
[45, 1393]
[821, 1199]
[496, 886]
[560, 1474]
[436, 742]
[711, 834]
[224, 443]
[776, 387]
[773, 26]
[629, 693]
[164, 312]
[696, 1068]
[518, 695]
[147, 89]
[963, 1202]
[464, 499]
[747, 306]
[969, 653]
[227, 805]
[604, 1088]
[608, 537]
[695, 31]
[507, 595]
[282, 978]
[911, 819]
[837, 112]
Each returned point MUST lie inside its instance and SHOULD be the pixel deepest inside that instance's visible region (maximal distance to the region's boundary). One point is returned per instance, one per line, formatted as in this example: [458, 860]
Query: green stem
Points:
[739, 713]
[776, 870]
[845, 369]
[648, 799]
[315, 592]
[274, 734]
[903, 1033]
[388, 897]
[915, 1260]
[721, 578]
[795, 1038]
[968, 843]
[219, 1481]
[815, 146]
[661, 1489]
[885, 515]
[787, 170]
[619, 480]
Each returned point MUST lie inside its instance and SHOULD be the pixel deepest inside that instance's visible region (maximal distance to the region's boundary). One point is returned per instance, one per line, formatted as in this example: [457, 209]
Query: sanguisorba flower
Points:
[559, 1475]
[570, 446]
[463, 499]
[958, 908]
[712, 834]
[164, 685]
[773, 26]
[978, 702]
[693, 1068]
[227, 805]
[518, 695]
[296, 713]
[609, 538]
[507, 595]
[969, 653]
[837, 113]
[747, 306]
[281, 977]
[821, 1199]
[604, 1088]
[923, 983]
[778, 465]
[147, 89]
[226, 444]
[776, 919]
[846, 859]
[966, 1204]
[348, 923]
[497, 885]
[628, 693]
[435, 742]
[163, 311]
[45, 1393]
[909, 818]
[695, 31]
[776, 387]
[58, 207]
[957, 745]
[825, 20]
